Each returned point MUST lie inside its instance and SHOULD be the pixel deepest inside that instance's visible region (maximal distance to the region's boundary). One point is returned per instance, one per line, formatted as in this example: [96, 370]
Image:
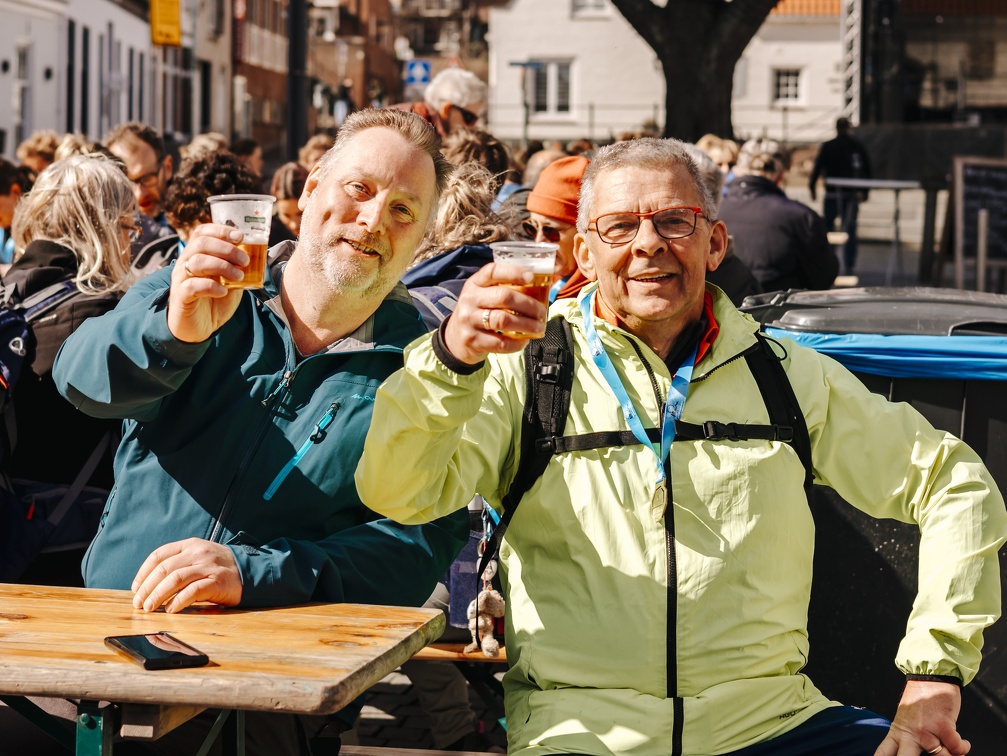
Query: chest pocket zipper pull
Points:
[316, 437]
[279, 387]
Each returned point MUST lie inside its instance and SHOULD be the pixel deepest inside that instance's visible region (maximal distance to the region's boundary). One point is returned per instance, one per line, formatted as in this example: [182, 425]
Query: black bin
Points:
[866, 569]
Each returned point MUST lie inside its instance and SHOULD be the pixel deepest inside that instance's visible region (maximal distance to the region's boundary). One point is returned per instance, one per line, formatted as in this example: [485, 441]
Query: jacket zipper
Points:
[269, 402]
[316, 437]
[671, 647]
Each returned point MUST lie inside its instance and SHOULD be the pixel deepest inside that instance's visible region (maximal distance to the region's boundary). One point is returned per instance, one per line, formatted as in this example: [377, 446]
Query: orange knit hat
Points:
[558, 188]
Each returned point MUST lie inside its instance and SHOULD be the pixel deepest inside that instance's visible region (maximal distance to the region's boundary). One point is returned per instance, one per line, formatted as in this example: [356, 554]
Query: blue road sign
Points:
[417, 72]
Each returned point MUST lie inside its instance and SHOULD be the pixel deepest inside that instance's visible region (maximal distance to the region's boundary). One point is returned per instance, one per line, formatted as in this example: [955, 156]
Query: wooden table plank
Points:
[309, 659]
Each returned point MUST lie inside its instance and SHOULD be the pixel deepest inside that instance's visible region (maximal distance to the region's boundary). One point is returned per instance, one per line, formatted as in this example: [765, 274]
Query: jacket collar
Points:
[43, 263]
[737, 330]
[393, 325]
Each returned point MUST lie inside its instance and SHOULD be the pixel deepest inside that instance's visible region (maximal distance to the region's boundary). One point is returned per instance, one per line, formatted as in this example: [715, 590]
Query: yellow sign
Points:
[166, 22]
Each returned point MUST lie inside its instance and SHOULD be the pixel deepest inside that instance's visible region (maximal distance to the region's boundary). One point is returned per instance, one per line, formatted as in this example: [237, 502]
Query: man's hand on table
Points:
[181, 573]
[925, 722]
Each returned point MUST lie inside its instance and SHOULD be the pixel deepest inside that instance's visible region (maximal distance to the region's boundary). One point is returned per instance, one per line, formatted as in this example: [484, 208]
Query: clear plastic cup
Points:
[538, 257]
[251, 214]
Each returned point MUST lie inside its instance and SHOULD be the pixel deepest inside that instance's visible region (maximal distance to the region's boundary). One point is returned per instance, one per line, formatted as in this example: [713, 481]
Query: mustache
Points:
[364, 239]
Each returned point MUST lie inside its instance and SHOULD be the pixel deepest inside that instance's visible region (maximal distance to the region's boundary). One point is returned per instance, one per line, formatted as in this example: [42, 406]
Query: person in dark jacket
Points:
[842, 157]
[228, 487]
[75, 225]
[782, 241]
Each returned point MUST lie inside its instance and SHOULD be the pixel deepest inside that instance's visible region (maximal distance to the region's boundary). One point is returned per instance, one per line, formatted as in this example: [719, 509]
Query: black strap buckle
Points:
[715, 431]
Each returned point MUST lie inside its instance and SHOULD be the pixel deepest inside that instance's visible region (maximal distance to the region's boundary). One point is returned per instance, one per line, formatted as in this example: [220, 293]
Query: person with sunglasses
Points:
[659, 570]
[552, 207]
[454, 99]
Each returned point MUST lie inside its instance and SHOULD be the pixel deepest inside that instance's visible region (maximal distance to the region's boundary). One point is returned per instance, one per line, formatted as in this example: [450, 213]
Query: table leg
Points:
[211, 736]
[95, 728]
[42, 719]
[233, 737]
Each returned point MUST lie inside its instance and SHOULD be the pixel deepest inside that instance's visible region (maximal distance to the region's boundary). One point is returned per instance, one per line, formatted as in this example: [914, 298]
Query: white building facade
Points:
[566, 69]
[88, 65]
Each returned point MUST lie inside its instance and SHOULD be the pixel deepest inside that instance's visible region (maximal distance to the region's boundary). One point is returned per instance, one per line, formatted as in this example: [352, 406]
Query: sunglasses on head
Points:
[468, 116]
[551, 233]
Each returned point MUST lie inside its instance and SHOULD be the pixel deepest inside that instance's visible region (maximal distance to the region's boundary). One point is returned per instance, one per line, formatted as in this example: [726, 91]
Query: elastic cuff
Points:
[449, 361]
[936, 678]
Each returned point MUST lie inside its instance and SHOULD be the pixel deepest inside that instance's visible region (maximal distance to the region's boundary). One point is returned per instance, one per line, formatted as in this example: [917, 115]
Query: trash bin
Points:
[943, 351]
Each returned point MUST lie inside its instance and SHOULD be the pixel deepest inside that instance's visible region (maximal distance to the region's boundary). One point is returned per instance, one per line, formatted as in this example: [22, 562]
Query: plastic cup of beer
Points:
[538, 257]
[251, 214]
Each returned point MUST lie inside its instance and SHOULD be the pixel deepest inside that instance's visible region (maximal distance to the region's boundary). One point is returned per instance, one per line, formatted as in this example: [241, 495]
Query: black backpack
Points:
[33, 515]
[549, 369]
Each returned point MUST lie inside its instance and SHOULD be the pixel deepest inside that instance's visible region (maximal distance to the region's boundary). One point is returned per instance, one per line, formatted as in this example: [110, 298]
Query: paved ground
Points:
[393, 717]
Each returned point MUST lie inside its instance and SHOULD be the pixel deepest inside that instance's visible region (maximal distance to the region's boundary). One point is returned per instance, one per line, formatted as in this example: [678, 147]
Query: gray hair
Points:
[649, 153]
[417, 132]
[762, 157]
[455, 86]
[81, 203]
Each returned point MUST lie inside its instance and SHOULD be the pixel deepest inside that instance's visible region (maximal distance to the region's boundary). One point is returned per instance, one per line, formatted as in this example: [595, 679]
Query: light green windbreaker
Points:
[600, 659]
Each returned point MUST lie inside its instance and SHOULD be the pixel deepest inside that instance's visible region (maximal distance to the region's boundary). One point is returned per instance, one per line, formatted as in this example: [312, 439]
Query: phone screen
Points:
[157, 651]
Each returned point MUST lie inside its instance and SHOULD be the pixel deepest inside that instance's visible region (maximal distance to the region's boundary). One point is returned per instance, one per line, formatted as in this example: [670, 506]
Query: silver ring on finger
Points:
[938, 749]
[486, 320]
[185, 267]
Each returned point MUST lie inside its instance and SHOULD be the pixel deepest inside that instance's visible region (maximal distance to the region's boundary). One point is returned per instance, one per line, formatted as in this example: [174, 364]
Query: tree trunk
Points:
[698, 43]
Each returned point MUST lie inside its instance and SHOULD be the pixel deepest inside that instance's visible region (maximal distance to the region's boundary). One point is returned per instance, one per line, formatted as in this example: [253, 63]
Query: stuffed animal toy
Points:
[482, 611]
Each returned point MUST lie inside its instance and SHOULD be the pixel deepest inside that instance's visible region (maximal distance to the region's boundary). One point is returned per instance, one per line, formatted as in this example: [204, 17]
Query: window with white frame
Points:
[551, 87]
[786, 85]
[582, 8]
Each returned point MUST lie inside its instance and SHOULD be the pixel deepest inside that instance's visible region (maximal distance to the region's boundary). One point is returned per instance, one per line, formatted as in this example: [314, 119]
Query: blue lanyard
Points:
[556, 288]
[673, 407]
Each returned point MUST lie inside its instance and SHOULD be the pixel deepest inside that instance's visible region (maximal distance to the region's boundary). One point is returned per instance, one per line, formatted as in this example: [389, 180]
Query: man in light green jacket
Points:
[658, 591]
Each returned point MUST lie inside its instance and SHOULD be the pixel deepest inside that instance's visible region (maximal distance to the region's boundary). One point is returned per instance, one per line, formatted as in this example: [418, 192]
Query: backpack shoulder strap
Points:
[435, 300]
[781, 401]
[46, 300]
[548, 381]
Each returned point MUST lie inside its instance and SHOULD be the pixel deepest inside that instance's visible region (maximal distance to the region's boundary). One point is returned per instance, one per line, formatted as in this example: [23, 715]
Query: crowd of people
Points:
[658, 575]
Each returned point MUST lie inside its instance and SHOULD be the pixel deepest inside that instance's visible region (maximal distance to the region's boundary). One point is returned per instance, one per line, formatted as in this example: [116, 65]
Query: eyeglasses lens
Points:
[673, 223]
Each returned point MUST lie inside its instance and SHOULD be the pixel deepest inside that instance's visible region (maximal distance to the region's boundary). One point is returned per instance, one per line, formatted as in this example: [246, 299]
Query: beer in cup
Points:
[538, 257]
[251, 214]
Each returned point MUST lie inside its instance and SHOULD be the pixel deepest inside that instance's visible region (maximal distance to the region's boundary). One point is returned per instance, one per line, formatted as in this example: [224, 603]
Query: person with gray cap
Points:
[782, 241]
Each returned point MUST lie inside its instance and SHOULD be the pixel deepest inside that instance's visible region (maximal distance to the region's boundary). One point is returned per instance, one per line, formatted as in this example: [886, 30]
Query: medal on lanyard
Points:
[673, 407]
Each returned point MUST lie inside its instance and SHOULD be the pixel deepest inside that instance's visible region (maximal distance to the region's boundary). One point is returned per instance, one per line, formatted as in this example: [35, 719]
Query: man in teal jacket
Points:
[246, 411]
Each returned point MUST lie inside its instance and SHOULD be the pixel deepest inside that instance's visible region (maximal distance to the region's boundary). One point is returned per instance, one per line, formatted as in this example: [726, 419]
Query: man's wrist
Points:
[449, 361]
[951, 679]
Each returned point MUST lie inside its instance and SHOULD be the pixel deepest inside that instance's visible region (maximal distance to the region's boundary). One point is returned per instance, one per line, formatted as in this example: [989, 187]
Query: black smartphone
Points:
[157, 651]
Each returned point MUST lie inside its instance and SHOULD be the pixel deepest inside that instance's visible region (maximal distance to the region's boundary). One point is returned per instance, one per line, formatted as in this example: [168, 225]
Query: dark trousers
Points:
[844, 206]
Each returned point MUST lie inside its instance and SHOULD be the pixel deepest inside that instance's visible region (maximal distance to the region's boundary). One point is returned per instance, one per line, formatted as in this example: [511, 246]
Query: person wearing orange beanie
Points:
[553, 218]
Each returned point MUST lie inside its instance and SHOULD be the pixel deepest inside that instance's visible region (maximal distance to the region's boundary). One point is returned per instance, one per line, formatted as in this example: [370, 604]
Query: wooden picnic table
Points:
[309, 659]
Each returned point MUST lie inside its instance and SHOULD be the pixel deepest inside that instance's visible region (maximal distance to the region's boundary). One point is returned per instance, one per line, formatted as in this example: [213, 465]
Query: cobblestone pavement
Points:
[393, 717]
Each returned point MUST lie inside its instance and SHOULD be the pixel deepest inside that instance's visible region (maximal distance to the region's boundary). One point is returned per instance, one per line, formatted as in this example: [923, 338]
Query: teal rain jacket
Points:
[239, 441]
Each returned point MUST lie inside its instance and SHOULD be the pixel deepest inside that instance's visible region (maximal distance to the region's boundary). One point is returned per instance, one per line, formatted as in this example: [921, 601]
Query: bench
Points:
[455, 652]
[358, 750]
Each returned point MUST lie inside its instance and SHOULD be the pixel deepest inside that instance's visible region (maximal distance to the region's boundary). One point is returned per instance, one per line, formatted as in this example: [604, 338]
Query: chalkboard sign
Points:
[979, 183]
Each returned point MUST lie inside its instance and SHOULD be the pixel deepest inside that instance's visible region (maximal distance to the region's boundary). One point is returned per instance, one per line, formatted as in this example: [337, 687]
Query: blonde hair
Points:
[464, 215]
[81, 203]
